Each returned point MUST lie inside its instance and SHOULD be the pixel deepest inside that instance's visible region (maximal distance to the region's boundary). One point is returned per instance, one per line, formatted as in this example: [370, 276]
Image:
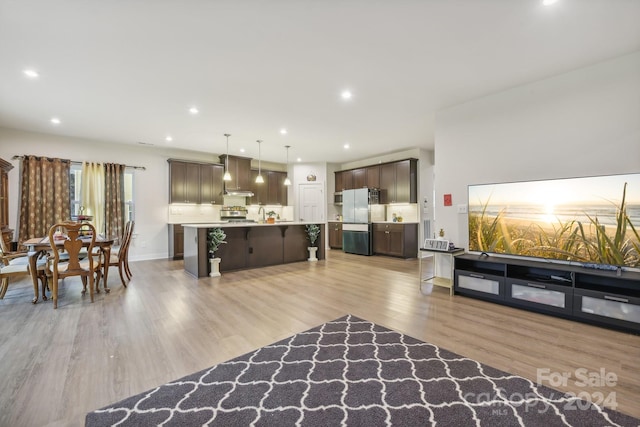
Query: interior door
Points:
[311, 202]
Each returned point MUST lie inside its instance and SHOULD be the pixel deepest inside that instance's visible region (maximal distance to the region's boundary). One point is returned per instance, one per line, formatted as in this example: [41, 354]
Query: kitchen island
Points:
[249, 245]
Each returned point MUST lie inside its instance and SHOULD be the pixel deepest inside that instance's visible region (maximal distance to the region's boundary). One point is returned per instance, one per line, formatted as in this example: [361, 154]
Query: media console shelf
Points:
[605, 298]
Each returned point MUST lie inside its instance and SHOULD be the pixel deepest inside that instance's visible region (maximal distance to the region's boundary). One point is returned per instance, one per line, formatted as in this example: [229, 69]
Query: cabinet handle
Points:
[535, 285]
[477, 276]
[618, 299]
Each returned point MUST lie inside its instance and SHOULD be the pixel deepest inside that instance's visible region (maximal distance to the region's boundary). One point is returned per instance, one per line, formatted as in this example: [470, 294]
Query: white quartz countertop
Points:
[223, 224]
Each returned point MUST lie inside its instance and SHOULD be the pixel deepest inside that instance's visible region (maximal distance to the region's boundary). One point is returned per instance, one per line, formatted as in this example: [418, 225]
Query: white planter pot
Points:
[215, 267]
[312, 253]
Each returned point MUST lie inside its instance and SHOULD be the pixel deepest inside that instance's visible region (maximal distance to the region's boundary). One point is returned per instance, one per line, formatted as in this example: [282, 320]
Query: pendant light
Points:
[259, 179]
[227, 175]
[287, 181]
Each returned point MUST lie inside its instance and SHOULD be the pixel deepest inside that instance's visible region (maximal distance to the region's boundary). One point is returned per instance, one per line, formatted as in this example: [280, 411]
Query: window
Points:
[75, 189]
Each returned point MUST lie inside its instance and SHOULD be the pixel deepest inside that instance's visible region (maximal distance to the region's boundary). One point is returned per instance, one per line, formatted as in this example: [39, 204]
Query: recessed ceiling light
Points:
[55, 120]
[193, 110]
[346, 146]
[298, 159]
[283, 131]
[32, 74]
[548, 2]
[242, 150]
[169, 138]
[346, 94]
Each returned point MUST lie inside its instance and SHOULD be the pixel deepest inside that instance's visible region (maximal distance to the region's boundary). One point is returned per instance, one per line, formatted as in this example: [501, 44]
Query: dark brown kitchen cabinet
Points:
[398, 182]
[338, 182]
[359, 178]
[276, 190]
[373, 176]
[185, 182]
[272, 191]
[344, 180]
[335, 235]
[259, 190]
[176, 241]
[347, 180]
[240, 170]
[400, 240]
[211, 184]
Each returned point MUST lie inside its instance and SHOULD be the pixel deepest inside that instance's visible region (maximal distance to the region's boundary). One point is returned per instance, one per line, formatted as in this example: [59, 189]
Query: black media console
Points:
[602, 297]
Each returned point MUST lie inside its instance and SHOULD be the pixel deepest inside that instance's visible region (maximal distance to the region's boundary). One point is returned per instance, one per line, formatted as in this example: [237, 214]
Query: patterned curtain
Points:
[44, 195]
[93, 193]
[114, 199]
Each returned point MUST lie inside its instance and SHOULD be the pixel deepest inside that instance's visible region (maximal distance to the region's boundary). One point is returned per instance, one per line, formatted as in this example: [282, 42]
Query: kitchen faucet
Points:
[263, 213]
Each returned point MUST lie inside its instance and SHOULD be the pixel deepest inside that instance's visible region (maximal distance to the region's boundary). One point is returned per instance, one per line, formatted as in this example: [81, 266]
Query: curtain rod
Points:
[74, 162]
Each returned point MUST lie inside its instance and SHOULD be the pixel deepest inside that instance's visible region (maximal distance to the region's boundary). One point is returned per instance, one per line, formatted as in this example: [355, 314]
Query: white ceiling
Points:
[127, 71]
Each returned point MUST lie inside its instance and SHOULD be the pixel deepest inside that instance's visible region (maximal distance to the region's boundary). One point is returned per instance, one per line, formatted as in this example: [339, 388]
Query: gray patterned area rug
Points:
[350, 372]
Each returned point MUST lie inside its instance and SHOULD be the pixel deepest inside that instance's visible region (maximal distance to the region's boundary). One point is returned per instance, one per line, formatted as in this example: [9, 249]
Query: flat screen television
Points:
[593, 221]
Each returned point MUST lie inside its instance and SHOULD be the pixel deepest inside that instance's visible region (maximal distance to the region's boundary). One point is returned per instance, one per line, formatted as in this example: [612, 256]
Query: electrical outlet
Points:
[462, 209]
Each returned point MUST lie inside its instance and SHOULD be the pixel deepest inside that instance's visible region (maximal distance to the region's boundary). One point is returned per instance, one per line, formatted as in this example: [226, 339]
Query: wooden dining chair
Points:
[16, 264]
[69, 238]
[120, 256]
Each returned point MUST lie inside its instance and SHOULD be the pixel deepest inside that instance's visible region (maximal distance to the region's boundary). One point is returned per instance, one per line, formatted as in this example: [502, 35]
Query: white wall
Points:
[582, 123]
[151, 185]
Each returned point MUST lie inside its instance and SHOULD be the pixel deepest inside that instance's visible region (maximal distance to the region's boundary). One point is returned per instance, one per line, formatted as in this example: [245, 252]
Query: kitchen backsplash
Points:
[408, 212]
[185, 214]
[284, 213]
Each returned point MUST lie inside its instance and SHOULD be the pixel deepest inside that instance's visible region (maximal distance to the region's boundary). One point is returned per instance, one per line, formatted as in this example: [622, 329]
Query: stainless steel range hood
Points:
[239, 193]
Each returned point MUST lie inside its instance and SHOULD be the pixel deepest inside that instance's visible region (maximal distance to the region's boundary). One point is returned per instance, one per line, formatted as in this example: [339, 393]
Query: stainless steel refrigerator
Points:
[356, 221]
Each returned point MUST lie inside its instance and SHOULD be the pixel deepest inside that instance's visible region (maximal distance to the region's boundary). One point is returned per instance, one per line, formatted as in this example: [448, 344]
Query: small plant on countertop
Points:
[271, 214]
[313, 231]
[215, 238]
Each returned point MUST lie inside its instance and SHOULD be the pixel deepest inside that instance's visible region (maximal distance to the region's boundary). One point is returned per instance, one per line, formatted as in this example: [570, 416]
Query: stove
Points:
[233, 213]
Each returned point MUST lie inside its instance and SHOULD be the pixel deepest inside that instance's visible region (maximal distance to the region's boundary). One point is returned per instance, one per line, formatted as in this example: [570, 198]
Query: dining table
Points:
[40, 246]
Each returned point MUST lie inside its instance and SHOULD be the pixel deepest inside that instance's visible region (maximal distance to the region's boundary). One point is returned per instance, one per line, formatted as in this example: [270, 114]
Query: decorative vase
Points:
[312, 253]
[215, 267]
[271, 220]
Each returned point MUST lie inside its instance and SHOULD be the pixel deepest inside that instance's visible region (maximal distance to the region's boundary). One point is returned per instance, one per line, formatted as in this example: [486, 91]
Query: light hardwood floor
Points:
[57, 365]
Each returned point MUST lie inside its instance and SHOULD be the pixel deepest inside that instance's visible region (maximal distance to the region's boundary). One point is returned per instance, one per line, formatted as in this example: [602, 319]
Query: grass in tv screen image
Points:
[590, 220]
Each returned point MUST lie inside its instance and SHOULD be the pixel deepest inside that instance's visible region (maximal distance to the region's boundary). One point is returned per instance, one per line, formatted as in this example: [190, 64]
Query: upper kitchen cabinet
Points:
[240, 170]
[272, 191]
[260, 191]
[211, 184]
[373, 176]
[277, 191]
[359, 178]
[399, 182]
[338, 181]
[344, 180]
[185, 182]
[368, 177]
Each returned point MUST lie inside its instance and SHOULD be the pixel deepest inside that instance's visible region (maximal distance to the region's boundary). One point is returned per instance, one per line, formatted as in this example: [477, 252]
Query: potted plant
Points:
[271, 219]
[215, 238]
[313, 231]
